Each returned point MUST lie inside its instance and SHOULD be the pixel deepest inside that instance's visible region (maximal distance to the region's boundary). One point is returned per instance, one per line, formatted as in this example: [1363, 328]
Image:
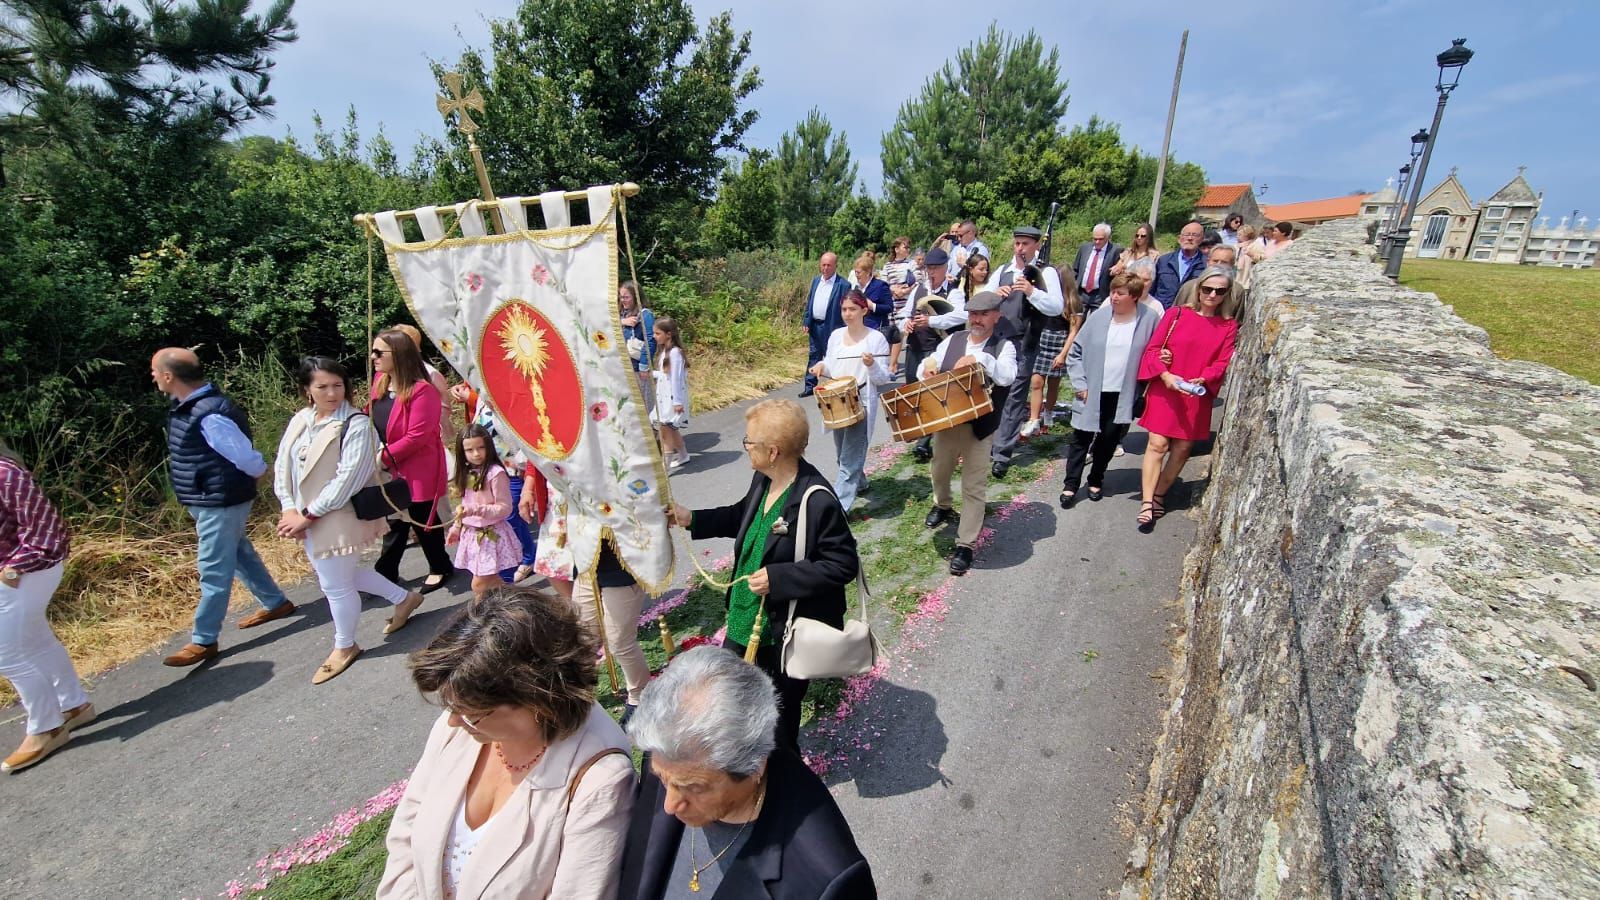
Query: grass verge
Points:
[1545, 315]
[904, 567]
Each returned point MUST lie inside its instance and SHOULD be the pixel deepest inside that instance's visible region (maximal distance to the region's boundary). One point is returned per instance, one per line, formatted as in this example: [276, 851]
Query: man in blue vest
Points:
[214, 467]
[1180, 265]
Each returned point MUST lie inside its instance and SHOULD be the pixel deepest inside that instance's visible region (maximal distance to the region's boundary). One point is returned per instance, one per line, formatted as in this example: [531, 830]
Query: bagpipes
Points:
[1034, 271]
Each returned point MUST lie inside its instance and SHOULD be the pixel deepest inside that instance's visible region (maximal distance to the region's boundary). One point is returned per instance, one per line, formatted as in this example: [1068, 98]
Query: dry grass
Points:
[126, 593]
[718, 378]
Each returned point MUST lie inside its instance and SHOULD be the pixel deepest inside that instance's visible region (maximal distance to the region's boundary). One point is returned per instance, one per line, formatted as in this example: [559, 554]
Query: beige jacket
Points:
[339, 531]
[534, 847]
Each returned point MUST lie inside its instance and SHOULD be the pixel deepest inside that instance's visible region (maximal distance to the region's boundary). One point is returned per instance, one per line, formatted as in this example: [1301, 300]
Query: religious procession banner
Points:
[529, 318]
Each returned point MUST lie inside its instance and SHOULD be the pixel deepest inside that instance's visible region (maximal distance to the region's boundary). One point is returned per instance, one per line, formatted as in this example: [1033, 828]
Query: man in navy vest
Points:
[214, 467]
[1180, 265]
[969, 442]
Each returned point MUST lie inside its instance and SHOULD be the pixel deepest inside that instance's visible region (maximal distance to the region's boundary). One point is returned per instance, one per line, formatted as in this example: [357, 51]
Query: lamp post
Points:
[1451, 62]
[1417, 142]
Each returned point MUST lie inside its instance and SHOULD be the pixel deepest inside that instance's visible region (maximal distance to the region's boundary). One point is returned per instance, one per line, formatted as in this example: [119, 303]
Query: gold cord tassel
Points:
[666, 638]
[755, 634]
[600, 623]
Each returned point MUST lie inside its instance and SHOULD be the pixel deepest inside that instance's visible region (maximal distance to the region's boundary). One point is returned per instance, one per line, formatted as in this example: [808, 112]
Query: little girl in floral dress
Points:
[672, 392]
[485, 543]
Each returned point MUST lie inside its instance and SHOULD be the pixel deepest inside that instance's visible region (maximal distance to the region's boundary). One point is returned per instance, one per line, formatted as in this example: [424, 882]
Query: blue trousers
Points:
[850, 445]
[519, 527]
[818, 332]
[225, 552]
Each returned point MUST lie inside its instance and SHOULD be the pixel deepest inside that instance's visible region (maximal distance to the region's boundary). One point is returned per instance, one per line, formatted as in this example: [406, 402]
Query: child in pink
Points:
[485, 543]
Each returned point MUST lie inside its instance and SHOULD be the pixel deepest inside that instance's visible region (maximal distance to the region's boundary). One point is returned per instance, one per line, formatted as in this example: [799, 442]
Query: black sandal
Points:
[1158, 505]
[1095, 494]
[1147, 519]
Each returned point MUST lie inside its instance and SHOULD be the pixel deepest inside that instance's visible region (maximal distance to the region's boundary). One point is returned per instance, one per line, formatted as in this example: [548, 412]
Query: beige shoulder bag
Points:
[813, 649]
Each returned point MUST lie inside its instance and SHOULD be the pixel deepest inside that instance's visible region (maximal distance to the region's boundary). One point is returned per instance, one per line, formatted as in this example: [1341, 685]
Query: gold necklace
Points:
[694, 869]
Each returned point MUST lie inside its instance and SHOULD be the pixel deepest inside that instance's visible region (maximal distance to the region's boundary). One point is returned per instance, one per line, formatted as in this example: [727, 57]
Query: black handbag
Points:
[378, 501]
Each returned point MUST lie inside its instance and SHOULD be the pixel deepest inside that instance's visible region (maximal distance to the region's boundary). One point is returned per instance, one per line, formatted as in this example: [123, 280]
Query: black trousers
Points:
[791, 691]
[1097, 446]
[913, 361]
[817, 334]
[431, 539]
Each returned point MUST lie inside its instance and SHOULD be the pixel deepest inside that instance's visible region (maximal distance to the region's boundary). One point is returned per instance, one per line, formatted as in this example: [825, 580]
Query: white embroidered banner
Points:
[530, 320]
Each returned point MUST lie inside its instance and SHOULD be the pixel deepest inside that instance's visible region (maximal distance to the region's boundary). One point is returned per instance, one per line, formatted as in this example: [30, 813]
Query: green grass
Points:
[1550, 316]
[902, 563]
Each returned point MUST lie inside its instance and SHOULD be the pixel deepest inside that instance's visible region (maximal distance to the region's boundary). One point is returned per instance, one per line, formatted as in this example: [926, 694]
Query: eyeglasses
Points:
[470, 724]
[749, 443]
[377, 352]
[1213, 291]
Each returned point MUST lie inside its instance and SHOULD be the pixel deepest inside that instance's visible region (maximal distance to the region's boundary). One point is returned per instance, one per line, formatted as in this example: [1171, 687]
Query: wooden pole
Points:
[1166, 141]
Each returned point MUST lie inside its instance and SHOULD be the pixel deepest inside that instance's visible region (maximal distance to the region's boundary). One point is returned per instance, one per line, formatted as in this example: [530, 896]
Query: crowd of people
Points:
[1137, 334]
[525, 786]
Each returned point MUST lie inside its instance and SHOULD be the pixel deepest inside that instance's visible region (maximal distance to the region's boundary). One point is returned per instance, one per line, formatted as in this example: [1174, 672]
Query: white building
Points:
[1506, 228]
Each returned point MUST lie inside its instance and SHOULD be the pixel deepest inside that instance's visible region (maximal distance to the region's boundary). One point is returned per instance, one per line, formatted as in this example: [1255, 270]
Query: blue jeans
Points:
[519, 527]
[224, 553]
[850, 445]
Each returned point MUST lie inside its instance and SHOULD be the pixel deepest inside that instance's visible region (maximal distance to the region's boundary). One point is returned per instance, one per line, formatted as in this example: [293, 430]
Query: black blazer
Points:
[817, 582]
[800, 849]
[1102, 280]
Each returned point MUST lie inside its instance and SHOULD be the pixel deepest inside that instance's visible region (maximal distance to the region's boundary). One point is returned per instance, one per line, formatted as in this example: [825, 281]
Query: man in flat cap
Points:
[969, 442]
[1030, 295]
[920, 337]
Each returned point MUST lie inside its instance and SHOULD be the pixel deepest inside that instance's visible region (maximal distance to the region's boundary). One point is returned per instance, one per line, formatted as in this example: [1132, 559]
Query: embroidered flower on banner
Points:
[638, 486]
[599, 411]
[604, 508]
[541, 275]
[474, 282]
[602, 340]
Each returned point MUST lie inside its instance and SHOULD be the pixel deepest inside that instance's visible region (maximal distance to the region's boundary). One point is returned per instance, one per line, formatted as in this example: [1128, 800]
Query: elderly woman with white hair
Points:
[720, 810]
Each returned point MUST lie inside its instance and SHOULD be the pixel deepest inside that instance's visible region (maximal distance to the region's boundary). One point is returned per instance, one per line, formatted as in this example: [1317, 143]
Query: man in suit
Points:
[822, 313]
[1182, 264]
[1092, 268]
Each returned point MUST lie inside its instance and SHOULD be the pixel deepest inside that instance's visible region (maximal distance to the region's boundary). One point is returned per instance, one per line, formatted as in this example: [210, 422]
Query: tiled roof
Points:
[1220, 196]
[1347, 207]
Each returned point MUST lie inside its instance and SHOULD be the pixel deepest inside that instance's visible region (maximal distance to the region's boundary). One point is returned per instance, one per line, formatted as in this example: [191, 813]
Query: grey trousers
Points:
[1015, 411]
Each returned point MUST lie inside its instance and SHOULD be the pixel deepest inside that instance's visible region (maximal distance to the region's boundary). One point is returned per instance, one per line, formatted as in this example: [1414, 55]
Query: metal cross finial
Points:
[458, 103]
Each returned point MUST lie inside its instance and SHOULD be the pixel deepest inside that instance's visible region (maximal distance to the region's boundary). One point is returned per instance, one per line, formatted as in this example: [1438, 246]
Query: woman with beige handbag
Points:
[784, 566]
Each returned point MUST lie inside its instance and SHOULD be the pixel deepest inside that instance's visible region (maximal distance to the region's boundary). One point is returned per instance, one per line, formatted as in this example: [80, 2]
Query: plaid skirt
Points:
[1050, 343]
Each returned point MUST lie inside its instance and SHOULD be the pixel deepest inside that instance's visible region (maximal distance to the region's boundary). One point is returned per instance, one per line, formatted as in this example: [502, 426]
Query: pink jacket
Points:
[490, 506]
[413, 448]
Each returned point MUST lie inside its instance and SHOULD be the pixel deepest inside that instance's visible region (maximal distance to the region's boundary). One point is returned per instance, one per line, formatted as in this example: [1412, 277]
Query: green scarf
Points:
[743, 602]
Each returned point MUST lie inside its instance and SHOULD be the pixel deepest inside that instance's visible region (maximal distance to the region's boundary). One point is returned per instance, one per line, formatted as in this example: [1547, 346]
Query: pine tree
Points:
[814, 175]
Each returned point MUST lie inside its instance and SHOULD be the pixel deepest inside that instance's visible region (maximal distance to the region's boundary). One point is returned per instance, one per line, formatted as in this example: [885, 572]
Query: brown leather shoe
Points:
[79, 717]
[191, 654]
[22, 759]
[263, 616]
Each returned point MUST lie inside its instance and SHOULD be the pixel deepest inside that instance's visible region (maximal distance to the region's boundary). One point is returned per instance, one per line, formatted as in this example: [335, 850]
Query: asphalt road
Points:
[1002, 756]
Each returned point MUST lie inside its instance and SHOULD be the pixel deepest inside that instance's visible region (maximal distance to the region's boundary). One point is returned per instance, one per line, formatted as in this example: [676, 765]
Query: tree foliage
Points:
[580, 92]
[999, 95]
[814, 175]
[744, 216]
[74, 69]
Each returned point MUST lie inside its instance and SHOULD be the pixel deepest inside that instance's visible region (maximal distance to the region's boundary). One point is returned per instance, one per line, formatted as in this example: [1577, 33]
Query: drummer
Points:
[969, 442]
[859, 353]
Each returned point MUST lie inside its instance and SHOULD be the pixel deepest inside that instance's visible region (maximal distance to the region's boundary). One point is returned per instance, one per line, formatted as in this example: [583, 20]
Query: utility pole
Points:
[1166, 141]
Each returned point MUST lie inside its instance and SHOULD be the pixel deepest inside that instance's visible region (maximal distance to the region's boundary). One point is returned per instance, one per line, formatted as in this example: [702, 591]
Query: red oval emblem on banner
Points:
[531, 379]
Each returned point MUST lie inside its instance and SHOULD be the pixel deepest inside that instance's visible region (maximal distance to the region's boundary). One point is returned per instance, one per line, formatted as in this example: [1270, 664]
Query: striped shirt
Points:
[32, 535]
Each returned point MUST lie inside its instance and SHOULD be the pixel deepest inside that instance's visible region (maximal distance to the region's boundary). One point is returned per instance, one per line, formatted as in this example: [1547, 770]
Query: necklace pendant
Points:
[694, 882]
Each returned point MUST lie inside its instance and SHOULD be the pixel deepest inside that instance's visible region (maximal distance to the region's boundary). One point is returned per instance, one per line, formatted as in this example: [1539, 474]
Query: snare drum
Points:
[840, 402]
[940, 401]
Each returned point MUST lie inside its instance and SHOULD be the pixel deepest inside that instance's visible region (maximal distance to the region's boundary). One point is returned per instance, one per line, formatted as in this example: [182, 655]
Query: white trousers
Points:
[622, 606]
[31, 656]
[344, 580]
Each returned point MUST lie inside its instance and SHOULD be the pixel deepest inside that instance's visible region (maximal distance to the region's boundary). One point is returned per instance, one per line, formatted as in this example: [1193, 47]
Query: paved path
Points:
[1000, 757]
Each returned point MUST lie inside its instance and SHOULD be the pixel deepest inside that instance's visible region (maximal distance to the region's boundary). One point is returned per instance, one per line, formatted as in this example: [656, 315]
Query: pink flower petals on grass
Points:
[317, 847]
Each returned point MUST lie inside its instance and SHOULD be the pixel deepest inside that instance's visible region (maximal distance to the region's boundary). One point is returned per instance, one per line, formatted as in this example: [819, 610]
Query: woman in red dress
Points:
[1194, 345]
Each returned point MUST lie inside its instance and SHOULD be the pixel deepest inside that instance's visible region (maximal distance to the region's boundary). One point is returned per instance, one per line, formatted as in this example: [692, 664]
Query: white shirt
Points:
[820, 298]
[458, 847]
[1046, 299]
[1119, 343]
[1002, 368]
[844, 361]
[1095, 264]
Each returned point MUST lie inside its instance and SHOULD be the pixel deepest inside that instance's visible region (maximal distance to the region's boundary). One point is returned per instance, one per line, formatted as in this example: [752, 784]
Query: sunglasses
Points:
[1213, 291]
[377, 352]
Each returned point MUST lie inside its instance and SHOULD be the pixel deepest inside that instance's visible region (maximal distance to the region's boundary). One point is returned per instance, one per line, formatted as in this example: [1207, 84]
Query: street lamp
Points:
[1417, 141]
[1451, 62]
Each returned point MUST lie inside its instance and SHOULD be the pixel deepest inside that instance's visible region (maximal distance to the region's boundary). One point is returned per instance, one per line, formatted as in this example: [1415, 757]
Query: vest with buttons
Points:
[200, 475]
[989, 422]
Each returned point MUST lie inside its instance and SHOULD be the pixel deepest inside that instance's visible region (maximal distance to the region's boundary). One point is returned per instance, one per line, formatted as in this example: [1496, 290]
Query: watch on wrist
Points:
[306, 514]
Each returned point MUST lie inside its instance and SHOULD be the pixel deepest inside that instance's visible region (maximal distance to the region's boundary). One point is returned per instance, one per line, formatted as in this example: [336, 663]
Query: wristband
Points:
[308, 516]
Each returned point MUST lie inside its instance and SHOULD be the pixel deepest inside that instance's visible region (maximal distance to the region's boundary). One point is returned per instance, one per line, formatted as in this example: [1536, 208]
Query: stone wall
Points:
[1385, 684]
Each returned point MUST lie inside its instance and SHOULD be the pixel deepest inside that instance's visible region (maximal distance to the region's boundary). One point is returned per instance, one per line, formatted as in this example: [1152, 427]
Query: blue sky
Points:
[1311, 99]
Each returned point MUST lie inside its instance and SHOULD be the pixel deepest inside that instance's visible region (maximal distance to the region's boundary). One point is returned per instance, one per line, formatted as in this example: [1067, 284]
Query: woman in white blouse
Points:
[328, 453]
[524, 789]
[858, 352]
[1103, 364]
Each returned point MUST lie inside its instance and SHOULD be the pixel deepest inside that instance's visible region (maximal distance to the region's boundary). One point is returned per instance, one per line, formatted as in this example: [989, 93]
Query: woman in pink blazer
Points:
[526, 784]
[406, 409]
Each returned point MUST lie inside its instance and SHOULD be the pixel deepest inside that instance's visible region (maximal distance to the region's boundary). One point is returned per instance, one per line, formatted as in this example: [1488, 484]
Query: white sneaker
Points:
[1030, 428]
[1119, 451]
[678, 461]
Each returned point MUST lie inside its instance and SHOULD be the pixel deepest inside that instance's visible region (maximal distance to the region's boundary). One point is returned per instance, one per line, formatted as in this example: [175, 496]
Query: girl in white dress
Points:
[855, 351]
